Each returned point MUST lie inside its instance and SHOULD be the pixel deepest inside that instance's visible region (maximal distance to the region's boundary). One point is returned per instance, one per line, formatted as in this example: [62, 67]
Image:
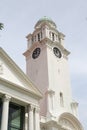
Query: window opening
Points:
[53, 36]
[16, 117]
[38, 37]
[61, 100]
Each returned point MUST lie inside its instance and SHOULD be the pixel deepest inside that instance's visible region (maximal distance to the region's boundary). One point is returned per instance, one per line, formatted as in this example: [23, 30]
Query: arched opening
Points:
[69, 121]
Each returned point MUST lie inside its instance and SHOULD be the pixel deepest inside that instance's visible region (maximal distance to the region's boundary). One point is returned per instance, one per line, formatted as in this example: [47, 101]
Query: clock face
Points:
[36, 53]
[57, 52]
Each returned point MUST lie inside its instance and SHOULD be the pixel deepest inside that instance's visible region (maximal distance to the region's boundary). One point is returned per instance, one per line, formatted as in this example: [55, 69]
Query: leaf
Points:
[1, 26]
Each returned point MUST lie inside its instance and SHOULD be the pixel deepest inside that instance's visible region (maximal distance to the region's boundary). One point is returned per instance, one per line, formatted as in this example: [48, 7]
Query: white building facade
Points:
[47, 66]
[19, 99]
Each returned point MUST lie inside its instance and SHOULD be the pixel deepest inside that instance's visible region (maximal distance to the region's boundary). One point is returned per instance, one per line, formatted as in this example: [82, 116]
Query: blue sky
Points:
[70, 16]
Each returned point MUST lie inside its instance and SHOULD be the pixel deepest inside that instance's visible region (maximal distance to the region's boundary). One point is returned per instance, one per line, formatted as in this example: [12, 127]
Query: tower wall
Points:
[59, 81]
[37, 70]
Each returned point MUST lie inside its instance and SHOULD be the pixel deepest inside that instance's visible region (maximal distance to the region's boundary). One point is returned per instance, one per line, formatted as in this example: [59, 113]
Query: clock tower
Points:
[47, 66]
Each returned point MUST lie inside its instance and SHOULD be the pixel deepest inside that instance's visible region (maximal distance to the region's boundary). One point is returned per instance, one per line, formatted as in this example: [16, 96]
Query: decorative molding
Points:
[31, 107]
[6, 98]
[65, 57]
[51, 92]
[74, 104]
[66, 124]
[37, 109]
[28, 52]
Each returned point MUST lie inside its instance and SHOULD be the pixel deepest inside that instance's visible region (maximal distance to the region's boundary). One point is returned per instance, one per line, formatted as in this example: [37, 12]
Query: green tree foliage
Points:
[1, 26]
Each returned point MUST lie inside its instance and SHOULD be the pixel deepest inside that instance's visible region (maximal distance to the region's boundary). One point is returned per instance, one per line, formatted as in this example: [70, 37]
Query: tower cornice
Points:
[35, 45]
[49, 43]
[57, 44]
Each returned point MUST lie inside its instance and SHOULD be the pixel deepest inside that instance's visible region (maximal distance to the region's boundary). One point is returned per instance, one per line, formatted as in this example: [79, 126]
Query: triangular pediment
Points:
[10, 72]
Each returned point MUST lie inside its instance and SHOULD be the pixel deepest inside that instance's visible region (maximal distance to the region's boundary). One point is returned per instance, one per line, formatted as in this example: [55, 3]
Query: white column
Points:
[30, 117]
[26, 118]
[5, 111]
[37, 118]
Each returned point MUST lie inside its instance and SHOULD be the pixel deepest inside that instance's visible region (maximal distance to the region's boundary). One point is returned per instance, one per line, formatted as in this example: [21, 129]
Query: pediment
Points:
[10, 72]
[7, 73]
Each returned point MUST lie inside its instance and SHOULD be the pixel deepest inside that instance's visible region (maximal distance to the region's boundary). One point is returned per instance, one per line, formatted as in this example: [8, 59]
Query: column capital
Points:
[6, 98]
[31, 107]
[37, 109]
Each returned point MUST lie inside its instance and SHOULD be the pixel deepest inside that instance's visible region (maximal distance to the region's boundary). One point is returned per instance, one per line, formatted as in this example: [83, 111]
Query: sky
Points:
[70, 16]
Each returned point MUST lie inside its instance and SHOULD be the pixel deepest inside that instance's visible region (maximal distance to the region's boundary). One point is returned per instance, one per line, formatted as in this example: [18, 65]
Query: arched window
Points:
[38, 36]
[53, 36]
[61, 99]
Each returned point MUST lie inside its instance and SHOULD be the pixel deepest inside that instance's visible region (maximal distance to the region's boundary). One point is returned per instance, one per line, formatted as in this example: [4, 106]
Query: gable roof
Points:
[16, 75]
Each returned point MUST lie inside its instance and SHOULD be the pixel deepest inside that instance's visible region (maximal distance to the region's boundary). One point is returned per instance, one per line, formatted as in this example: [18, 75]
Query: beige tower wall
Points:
[37, 70]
